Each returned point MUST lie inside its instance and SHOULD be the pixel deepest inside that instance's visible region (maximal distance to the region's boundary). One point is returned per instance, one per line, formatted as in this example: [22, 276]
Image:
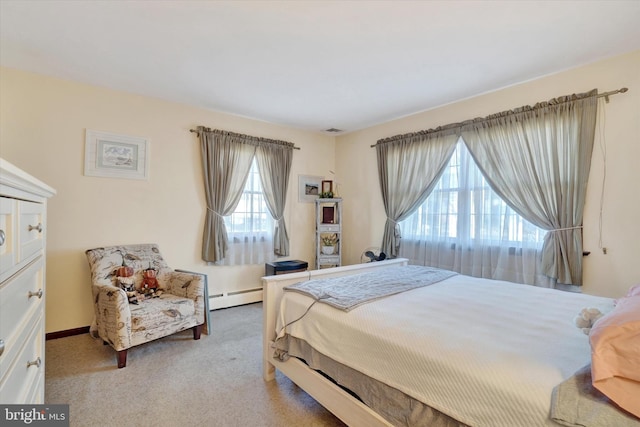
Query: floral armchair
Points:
[178, 302]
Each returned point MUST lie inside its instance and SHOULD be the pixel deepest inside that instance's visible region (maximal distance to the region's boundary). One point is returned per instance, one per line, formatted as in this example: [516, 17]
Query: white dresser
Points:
[23, 208]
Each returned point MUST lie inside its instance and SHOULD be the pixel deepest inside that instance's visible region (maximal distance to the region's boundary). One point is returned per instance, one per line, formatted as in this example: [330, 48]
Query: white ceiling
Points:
[312, 64]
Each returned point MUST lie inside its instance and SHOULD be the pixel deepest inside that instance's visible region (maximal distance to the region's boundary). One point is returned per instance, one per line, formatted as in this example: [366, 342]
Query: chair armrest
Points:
[188, 285]
[207, 310]
[113, 316]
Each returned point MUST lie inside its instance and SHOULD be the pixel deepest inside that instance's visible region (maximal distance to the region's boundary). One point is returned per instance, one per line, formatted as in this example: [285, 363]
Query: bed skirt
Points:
[392, 404]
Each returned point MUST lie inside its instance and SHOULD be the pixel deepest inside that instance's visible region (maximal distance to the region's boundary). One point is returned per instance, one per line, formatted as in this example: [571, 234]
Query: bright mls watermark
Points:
[34, 415]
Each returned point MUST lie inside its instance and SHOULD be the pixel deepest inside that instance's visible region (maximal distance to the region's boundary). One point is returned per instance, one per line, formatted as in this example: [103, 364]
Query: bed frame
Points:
[342, 404]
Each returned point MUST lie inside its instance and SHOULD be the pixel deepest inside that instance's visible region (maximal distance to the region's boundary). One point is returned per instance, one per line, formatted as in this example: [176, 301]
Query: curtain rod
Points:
[263, 139]
[604, 95]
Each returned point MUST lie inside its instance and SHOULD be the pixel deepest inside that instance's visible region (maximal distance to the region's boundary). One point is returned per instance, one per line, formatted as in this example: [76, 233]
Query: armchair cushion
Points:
[158, 317]
[104, 262]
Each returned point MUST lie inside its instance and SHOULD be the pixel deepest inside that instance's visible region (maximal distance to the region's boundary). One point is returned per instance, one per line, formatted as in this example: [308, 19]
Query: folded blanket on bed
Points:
[576, 403]
[348, 292]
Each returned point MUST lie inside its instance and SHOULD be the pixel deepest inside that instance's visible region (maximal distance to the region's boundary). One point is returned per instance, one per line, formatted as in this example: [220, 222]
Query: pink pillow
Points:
[615, 354]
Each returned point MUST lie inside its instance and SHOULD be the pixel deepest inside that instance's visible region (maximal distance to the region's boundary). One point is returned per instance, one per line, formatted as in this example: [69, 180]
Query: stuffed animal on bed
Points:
[587, 318]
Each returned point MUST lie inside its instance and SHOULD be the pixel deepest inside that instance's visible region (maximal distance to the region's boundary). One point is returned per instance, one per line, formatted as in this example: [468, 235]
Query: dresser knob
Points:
[1, 347]
[37, 227]
[3, 237]
[35, 363]
[36, 294]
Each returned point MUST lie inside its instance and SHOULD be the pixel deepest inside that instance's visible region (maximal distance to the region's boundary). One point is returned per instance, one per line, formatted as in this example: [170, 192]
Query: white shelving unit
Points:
[328, 224]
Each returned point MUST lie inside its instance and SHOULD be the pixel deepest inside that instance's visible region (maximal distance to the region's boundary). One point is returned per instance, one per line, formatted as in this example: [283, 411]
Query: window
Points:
[466, 227]
[251, 216]
[463, 205]
[250, 227]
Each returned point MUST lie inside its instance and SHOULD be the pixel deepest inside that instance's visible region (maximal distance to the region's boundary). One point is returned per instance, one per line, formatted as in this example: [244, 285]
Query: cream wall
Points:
[607, 275]
[42, 126]
[42, 131]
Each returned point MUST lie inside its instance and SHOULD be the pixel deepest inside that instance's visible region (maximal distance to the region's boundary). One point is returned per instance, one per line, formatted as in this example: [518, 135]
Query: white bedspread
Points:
[487, 353]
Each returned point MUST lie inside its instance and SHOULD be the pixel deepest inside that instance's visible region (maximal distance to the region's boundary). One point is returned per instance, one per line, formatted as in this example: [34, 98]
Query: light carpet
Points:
[177, 381]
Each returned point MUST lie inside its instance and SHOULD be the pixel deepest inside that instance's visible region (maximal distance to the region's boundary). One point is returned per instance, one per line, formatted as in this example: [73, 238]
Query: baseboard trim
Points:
[227, 300]
[67, 333]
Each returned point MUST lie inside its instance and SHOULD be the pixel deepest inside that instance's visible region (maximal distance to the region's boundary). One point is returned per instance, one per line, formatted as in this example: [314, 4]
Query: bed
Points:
[481, 352]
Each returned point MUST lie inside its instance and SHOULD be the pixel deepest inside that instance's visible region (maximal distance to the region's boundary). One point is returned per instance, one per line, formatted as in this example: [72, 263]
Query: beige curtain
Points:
[538, 159]
[408, 168]
[274, 165]
[226, 161]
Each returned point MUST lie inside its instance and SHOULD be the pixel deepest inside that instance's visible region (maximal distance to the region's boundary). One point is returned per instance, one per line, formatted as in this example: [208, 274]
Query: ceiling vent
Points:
[333, 130]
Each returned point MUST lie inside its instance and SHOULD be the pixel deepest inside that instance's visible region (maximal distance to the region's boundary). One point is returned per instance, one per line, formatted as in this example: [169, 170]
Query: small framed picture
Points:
[327, 186]
[116, 156]
[328, 214]
[308, 188]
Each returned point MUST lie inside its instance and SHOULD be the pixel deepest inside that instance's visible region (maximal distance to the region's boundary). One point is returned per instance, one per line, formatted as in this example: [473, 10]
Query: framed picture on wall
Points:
[327, 186]
[112, 155]
[308, 188]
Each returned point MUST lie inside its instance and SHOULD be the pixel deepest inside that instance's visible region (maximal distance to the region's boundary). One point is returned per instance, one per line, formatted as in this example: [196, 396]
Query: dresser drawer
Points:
[35, 396]
[21, 381]
[8, 233]
[22, 234]
[30, 229]
[329, 228]
[18, 310]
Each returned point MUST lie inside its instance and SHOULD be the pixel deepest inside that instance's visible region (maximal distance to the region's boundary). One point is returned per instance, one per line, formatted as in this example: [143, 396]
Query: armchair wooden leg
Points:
[197, 330]
[122, 358]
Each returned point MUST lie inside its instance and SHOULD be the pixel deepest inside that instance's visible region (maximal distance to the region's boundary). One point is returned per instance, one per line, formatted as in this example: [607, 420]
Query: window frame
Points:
[252, 193]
